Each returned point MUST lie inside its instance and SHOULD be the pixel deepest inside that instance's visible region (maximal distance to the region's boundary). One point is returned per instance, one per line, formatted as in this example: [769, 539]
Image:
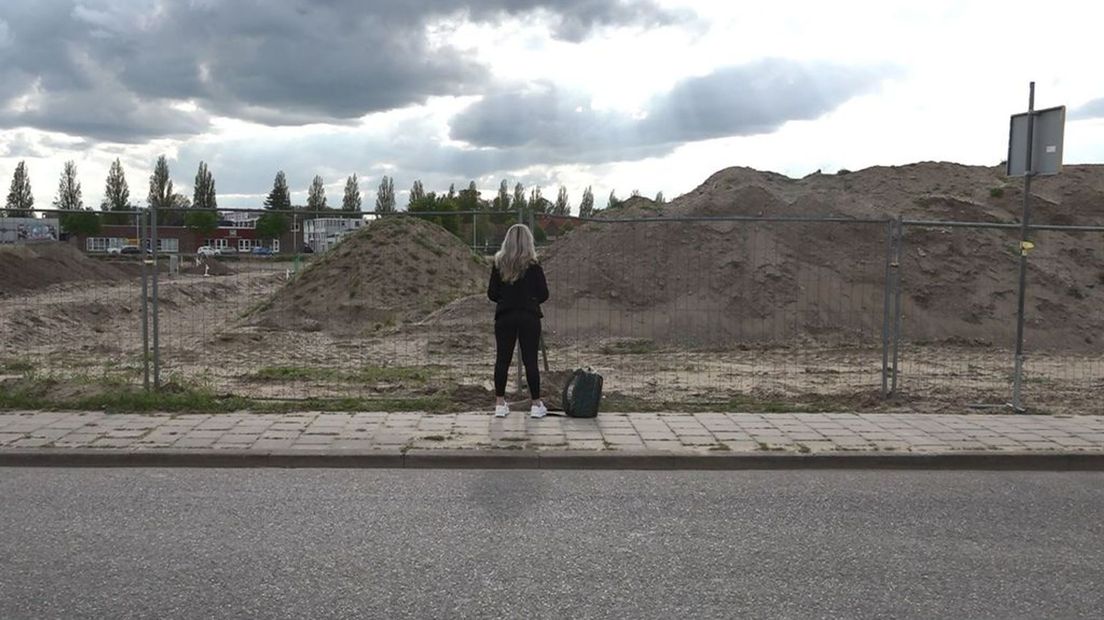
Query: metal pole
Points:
[474, 224]
[156, 328]
[140, 221]
[885, 308]
[899, 241]
[1017, 377]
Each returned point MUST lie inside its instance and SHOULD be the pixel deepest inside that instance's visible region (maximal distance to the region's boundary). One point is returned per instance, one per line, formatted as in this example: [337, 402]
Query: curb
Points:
[529, 459]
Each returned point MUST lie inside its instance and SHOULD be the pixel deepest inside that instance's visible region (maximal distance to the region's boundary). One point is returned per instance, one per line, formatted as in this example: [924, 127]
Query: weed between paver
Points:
[769, 448]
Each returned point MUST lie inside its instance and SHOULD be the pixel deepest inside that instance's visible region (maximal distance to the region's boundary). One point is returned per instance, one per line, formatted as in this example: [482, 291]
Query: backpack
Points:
[582, 393]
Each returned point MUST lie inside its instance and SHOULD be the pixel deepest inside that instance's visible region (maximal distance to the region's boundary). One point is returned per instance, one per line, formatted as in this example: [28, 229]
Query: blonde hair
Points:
[518, 251]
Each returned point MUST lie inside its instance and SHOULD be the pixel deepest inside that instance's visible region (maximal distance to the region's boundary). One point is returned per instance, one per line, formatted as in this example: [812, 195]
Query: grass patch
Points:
[365, 374]
[435, 438]
[86, 395]
[406, 374]
[17, 366]
[120, 400]
[620, 403]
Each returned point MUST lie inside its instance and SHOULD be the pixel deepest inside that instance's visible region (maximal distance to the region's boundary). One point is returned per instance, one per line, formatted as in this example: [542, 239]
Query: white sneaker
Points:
[538, 411]
[501, 411]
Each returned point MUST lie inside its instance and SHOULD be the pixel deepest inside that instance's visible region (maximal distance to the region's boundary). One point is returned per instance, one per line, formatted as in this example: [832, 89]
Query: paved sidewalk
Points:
[400, 439]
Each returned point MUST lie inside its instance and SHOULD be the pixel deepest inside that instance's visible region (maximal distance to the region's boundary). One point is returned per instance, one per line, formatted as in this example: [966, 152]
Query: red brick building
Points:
[232, 235]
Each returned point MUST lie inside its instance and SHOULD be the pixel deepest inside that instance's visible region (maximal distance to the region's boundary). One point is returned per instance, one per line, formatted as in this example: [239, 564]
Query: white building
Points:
[323, 233]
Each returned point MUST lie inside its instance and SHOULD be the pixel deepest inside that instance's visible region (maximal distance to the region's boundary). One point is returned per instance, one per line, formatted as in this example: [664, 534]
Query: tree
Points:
[116, 195]
[469, 199]
[501, 204]
[636, 193]
[613, 202]
[162, 197]
[69, 189]
[76, 220]
[271, 225]
[562, 207]
[535, 198]
[204, 195]
[660, 199]
[586, 207]
[519, 197]
[502, 200]
[274, 225]
[316, 196]
[203, 221]
[452, 191]
[20, 199]
[279, 199]
[161, 186]
[351, 201]
[417, 194]
[385, 196]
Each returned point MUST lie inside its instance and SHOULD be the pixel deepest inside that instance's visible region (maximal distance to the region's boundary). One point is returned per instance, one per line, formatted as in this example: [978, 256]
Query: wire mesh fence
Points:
[1064, 363]
[673, 311]
[959, 312]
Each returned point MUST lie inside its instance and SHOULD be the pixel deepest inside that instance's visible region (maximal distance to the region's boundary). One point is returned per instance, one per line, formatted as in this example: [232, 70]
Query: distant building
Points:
[28, 229]
[236, 233]
[325, 232]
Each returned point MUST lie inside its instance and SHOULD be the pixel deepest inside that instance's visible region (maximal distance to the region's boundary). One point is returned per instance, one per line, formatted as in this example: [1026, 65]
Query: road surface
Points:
[194, 543]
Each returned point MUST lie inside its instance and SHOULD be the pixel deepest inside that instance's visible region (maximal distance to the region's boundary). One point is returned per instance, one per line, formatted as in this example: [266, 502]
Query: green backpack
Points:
[582, 393]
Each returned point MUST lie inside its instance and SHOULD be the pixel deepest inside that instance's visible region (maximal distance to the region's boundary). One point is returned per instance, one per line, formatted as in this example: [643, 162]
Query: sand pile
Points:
[712, 282]
[35, 266]
[394, 270]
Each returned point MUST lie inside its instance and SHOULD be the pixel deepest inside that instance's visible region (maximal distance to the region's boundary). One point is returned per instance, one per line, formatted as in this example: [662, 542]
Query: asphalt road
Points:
[195, 543]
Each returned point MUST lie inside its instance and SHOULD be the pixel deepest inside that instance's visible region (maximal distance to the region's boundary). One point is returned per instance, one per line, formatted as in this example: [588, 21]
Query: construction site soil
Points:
[687, 308]
[394, 270]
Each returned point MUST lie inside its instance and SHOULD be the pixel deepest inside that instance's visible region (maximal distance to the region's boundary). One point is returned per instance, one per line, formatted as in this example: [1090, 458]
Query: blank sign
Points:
[1050, 127]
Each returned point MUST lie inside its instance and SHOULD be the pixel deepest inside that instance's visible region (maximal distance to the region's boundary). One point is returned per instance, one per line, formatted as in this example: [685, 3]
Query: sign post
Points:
[1034, 148]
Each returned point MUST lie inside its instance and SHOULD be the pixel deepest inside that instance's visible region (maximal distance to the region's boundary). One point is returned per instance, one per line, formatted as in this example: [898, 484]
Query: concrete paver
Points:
[611, 433]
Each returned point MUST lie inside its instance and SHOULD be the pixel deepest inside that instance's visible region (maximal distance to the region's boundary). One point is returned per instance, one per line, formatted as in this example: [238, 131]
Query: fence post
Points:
[1025, 230]
[898, 241]
[141, 217]
[156, 327]
[887, 298]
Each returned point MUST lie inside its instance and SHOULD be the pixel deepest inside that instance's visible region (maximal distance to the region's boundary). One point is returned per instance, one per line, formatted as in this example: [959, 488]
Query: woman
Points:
[518, 289]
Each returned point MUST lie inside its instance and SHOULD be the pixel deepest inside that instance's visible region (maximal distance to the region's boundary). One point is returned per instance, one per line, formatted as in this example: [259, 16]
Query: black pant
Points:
[511, 327]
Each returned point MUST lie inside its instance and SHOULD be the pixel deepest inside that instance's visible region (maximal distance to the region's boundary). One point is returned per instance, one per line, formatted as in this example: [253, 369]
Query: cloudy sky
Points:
[648, 95]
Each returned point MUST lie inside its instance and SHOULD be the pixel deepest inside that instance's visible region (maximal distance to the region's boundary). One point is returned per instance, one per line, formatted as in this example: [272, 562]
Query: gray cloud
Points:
[735, 101]
[274, 62]
[1091, 109]
[539, 126]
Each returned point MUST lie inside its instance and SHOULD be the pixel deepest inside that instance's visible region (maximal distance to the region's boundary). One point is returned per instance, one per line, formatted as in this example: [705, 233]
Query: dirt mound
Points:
[712, 282]
[394, 270]
[36, 266]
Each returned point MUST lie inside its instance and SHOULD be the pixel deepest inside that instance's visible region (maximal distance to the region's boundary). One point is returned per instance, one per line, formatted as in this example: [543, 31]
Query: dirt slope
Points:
[394, 270]
[715, 281]
[35, 266]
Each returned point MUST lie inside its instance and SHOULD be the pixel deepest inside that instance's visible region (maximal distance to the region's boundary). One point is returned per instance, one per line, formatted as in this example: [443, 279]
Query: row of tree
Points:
[201, 211]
